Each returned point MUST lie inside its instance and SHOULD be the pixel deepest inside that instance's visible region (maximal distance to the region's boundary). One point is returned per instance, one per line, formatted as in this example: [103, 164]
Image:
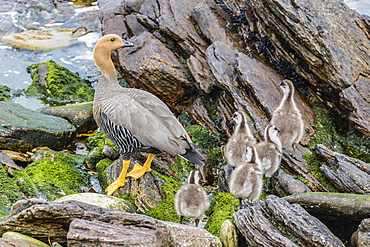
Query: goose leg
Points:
[139, 170]
[120, 181]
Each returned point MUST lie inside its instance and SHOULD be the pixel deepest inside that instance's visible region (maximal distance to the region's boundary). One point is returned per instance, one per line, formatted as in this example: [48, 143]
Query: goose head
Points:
[104, 48]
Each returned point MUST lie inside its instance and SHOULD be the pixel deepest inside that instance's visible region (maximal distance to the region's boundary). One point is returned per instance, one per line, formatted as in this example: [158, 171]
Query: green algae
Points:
[5, 94]
[59, 86]
[57, 175]
[166, 209]
[9, 192]
[96, 145]
[221, 208]
[333, 131]
[101, 168]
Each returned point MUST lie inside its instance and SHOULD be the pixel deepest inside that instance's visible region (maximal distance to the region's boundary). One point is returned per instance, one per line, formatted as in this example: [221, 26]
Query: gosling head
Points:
[194, 177]
[238, 117]
[287, 86]
[272, 131]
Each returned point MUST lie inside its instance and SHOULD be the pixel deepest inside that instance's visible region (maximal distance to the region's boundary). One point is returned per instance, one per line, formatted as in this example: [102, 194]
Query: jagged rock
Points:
[147, 189]
[315, 45]
[224, 178]
[341, 212]
[80, 115]
[72, 223]
[22, 129]
[262, 224]
[284, 184]
[361, 238]
[348, 175]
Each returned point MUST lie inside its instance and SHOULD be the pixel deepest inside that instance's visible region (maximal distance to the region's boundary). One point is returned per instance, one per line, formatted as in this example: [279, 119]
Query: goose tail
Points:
[194, 155]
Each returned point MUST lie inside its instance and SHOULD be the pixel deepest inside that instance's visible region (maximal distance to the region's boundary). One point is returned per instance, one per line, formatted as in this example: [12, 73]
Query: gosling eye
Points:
[112, 39]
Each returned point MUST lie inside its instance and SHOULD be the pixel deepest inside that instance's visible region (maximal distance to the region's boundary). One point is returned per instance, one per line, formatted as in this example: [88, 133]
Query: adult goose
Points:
[191, 199]
[135, 120]
[288, 118]
[241, 138]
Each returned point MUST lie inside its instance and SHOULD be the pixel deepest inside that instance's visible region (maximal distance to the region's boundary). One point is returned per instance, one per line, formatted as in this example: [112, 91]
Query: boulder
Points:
[342, 213]
[275, 222]
[22, 129]
[76, 223]
[347, 174]
[361, 238]
[80, 115]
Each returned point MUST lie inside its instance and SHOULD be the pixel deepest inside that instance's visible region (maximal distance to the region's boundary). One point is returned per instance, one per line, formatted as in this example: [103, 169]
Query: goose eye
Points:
[112, 39]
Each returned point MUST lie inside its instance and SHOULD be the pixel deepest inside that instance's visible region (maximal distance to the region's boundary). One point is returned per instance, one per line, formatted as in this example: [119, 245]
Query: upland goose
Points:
[191, 199]
[269, 152]
[288, 118]
[246, 179]
[135, 120]
[241, 138]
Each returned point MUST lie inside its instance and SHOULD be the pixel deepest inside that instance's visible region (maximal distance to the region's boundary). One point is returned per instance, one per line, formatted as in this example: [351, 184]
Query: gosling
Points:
[241, 138]
[288, 118]
[246, 179]
[269, 152]
[191, 199]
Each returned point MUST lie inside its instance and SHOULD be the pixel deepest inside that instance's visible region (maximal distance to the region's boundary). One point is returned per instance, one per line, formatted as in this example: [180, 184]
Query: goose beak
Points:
[127, 44]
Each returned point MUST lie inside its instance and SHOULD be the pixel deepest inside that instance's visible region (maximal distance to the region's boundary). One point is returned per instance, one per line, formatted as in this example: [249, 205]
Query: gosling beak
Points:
[127, 44]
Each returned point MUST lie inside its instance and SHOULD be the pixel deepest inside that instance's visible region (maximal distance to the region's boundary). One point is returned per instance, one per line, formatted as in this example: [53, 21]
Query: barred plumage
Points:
[120, 136]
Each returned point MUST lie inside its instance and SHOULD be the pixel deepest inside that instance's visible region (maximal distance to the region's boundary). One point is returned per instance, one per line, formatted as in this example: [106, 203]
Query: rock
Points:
[18, 236]
[284, 184]
[16, 243]
[361, 238]
[103, 201]
[7, 161]
[75, 223]
[263, 224]
[22, 129]
[348, 175]
[52, 175]
[46, 39]
[80, 115]
[10, 192]
[332, 61]
[55, 84]
[150, 61]
[341, 212]
[224, 178]
[228, 234]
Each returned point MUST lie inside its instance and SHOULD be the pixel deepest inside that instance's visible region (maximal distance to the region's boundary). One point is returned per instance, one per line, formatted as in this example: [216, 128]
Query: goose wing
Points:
[149, 120]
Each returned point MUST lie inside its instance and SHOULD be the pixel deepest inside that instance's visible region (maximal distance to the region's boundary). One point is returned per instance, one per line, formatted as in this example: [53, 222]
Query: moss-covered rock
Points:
[221, 208]
[55, 175]
[95, 144]
[4, 93]
[166, 210]
[57, 85]
[101, 168]
[9, 192]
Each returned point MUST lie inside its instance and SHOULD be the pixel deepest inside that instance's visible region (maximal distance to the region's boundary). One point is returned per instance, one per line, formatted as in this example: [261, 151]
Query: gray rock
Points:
[22, 129]
[284, 184]
[80, 115]
[264, 222]
[318, 48]
[76, 223]
[361, 238]
[228, 234]
[348, 175]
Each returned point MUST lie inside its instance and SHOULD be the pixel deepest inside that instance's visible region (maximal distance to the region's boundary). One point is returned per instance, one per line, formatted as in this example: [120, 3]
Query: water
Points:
[361, 6]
